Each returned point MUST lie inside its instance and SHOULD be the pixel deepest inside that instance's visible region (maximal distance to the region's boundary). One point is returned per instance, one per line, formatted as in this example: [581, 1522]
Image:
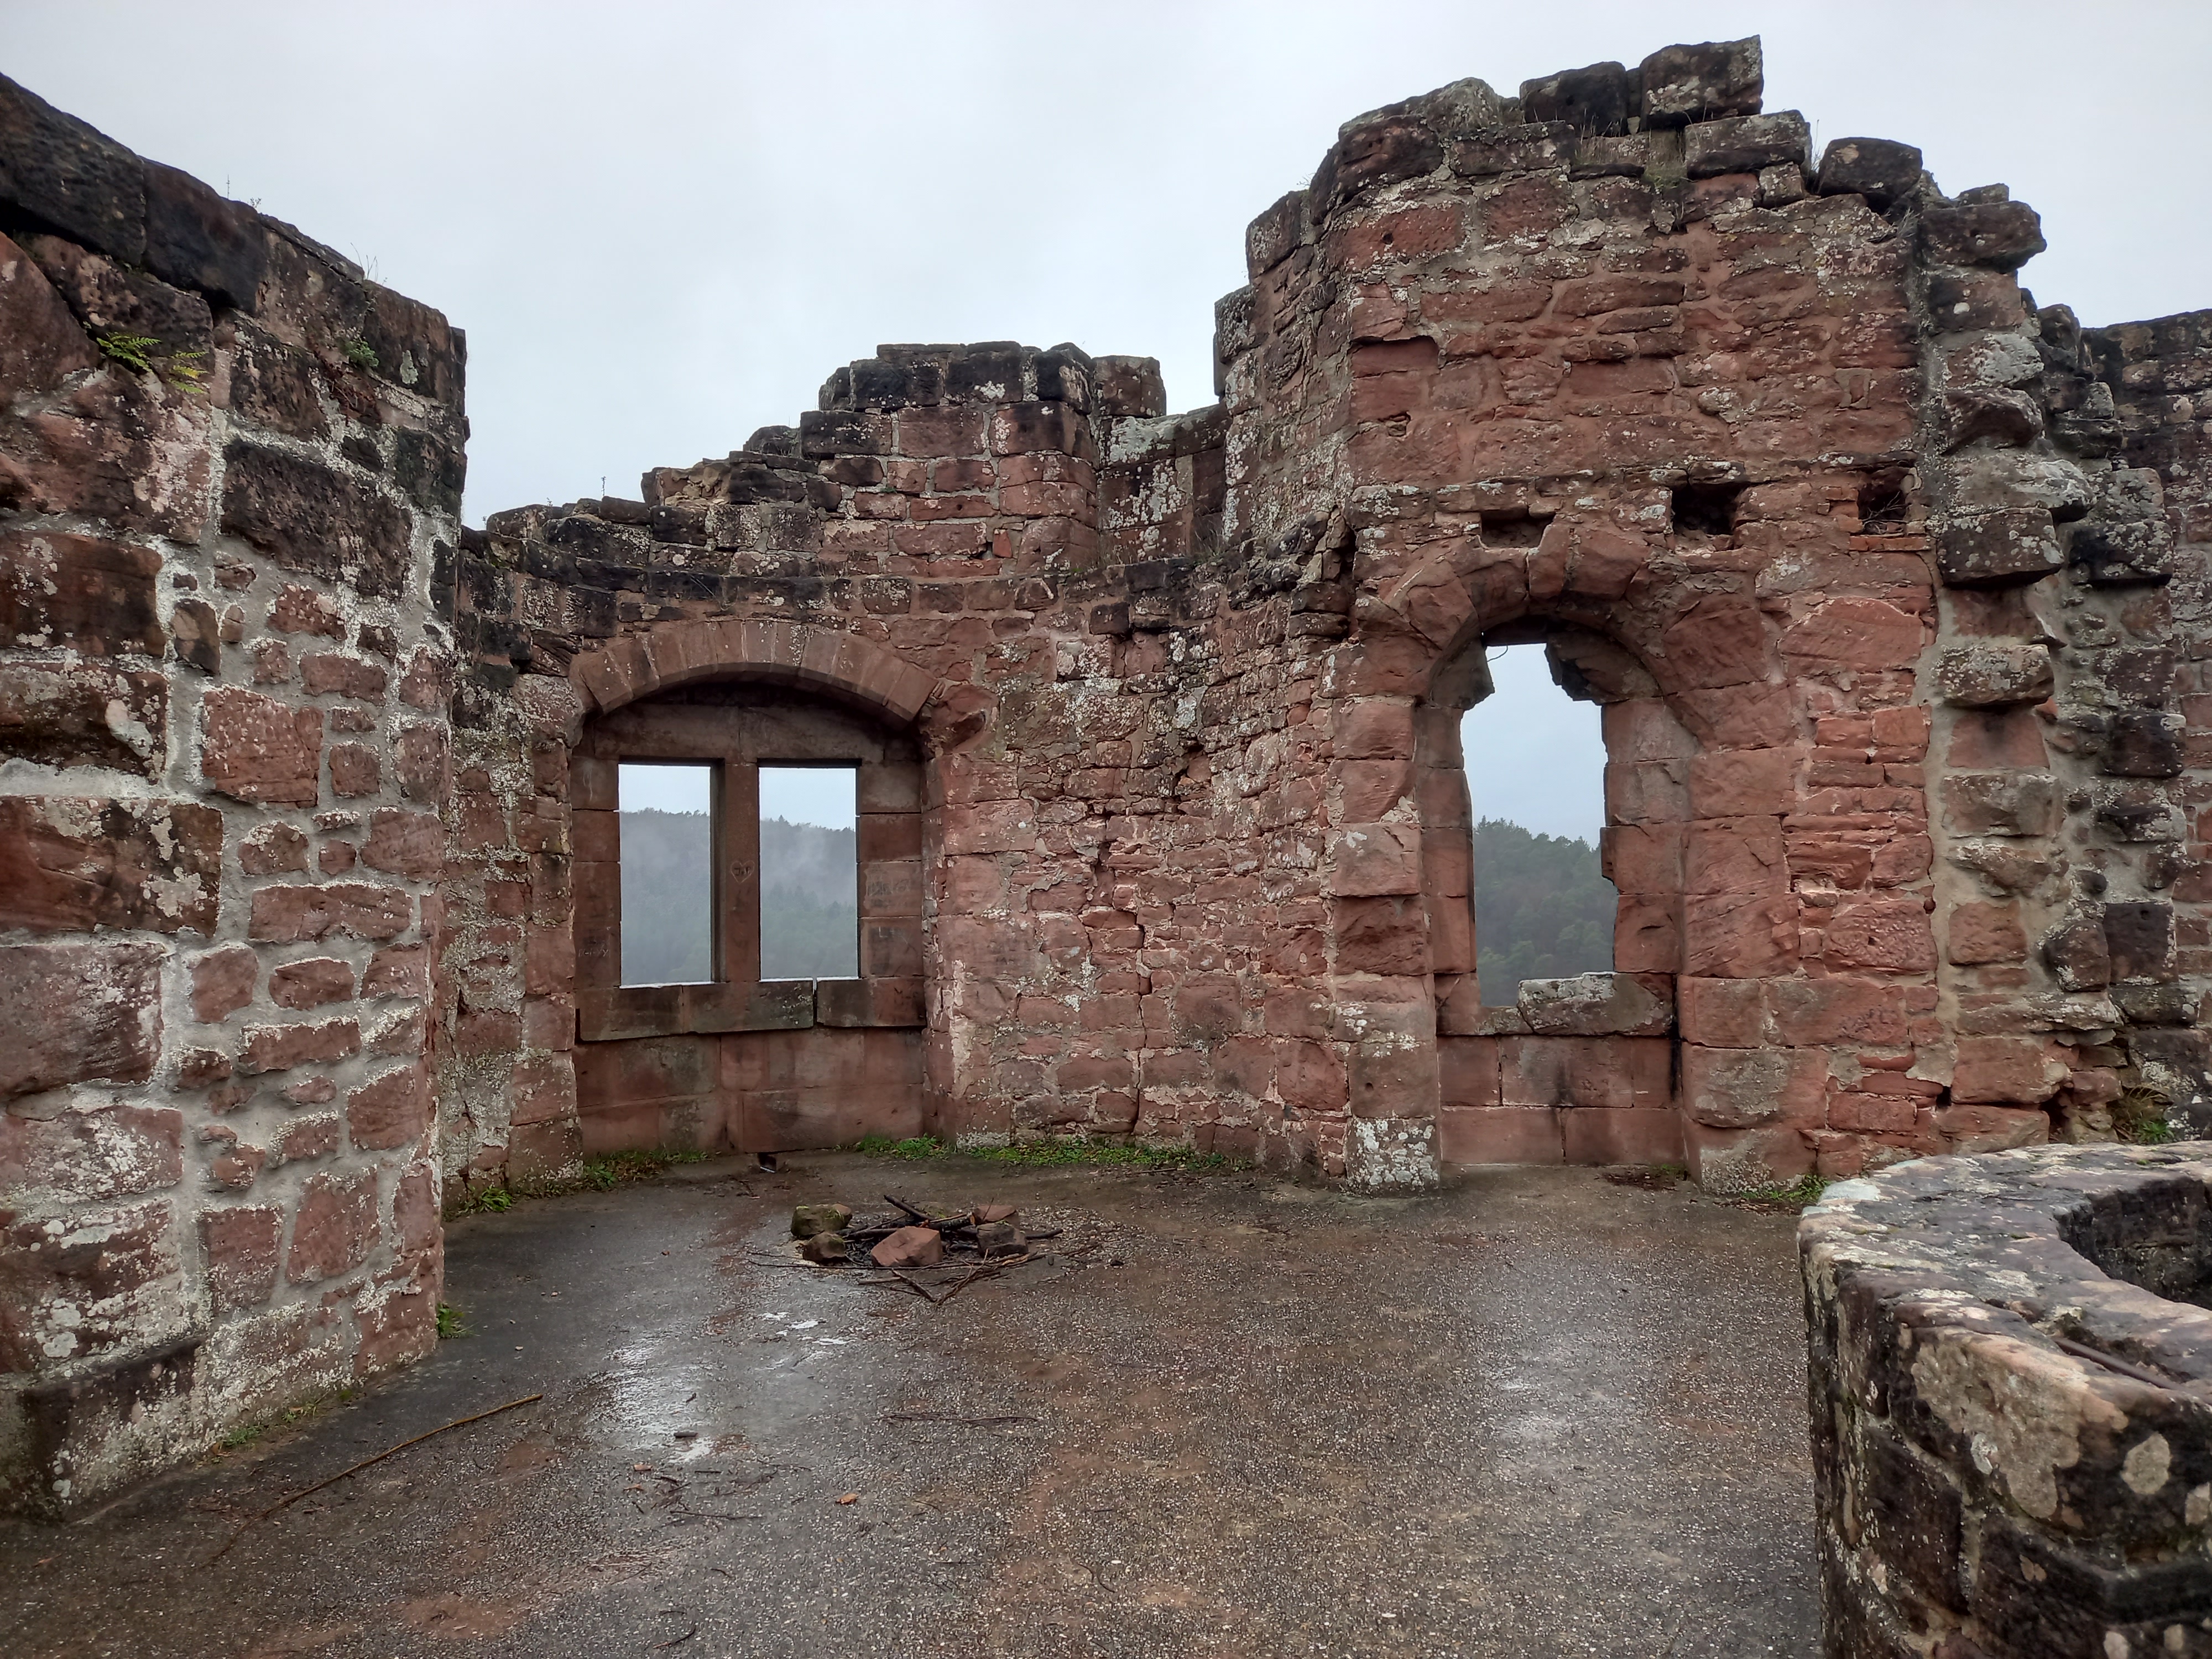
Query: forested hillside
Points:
[1542, 908]
[809, 903]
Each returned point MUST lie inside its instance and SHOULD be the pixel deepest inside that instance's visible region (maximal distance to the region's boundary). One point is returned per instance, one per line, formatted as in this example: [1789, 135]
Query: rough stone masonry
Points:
[1889, 582]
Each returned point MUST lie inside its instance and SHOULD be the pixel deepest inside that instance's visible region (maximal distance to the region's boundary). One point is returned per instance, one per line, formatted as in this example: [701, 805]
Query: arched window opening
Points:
[1536, 762]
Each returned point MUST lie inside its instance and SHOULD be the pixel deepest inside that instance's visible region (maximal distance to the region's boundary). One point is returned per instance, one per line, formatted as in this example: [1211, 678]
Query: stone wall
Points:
[1775, 457]
[226, 462]
[1889, 583]
[2011, 1433]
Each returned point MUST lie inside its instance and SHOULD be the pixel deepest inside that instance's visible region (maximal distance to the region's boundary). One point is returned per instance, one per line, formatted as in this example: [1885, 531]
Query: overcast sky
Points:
[663, 225]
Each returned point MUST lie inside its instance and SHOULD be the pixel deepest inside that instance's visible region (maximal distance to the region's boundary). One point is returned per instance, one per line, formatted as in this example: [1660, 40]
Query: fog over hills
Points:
[1542, 910]
[809, 902]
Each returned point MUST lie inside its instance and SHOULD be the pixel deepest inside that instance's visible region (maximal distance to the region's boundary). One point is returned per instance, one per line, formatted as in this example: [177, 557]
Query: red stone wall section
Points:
[1773, 456]
[227, 463]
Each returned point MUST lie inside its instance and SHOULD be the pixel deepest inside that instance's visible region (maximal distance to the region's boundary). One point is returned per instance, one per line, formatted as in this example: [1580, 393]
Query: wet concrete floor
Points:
[1539, 1415]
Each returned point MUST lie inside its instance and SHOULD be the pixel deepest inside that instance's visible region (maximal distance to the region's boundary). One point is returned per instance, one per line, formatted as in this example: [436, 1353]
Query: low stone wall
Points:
[2011, 1390]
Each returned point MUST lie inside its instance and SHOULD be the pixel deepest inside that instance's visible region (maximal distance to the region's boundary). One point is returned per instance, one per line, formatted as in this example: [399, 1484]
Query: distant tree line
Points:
[809, 900]
[1542, 910]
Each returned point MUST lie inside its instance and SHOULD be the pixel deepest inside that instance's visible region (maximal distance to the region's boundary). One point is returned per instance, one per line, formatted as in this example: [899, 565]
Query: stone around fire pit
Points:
[2011, 1385]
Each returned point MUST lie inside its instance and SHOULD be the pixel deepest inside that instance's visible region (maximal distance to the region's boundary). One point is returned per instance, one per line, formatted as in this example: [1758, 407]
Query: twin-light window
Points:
[801, 882]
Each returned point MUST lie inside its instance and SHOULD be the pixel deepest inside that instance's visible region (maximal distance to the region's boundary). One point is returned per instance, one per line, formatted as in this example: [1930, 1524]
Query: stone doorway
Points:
[1581, 1070]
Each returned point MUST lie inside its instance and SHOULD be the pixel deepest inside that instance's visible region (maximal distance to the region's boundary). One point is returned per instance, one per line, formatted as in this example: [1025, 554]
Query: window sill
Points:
[786, 1005]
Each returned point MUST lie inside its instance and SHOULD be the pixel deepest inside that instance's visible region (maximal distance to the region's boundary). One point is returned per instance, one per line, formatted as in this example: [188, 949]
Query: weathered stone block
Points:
[2002, 804]
[316, 521]
[93, 596]
[78, 864]
[260, 749]
[1879, 169]
[334, 1227]
[85, 714]
[1703, 82]
[78, 1013]
[1597, 1005]
[1994, 674]
[1997, 235]
[66, 173]
[1746, 143]
[1998, 549]
[1596, 100]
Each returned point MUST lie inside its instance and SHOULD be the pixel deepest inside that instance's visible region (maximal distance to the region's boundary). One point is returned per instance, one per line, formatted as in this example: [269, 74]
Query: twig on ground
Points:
[308, 1492]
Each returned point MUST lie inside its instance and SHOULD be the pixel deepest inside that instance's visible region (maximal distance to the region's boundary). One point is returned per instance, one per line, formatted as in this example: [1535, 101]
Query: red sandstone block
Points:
[285, 916]
[1622, 1073]
[1894, 935]
[1468, 1070]
[78, 1013]
[302, 1139]
[1368, 860]
[303, 611]
[324, 673]
[242, 1247]
[1735, 936]
[1746, 1160]
[1643, 857]
[1737, 1088]
[334, 1228]
[310, 983]
[2007, 1070]
[1380, 935]
[1366, 789]
[989, 826]
[1511, 1134]
[1979, 933]
[1609, 1135]
[1372, 728]
[1857, 633]
[1992, 1128]
[280, 1047]
[1647, 934]
[1838, 1009]
[111, 1152]
[222, 983]
[544, 1089]
[1724, 1013]
[1735, 783]
[260, 750]
[549, 960]
[1736, 856]
[549, 1023]
[1878, 1114]
[1652, 792]
[354, 771]
[398, 970]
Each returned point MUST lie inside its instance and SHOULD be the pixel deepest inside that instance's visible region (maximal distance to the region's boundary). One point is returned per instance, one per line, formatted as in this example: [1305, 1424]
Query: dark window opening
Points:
[1512, 527]
[1883, 506]
[810, 873]
[1706, 509]
[667, 831]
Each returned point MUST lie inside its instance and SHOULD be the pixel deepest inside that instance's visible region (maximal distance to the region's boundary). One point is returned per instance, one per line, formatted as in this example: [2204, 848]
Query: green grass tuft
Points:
[449, 1321]
[1806, 1190]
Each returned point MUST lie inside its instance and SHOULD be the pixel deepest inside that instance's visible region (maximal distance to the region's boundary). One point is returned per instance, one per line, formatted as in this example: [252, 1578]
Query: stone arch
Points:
[1580, 1072]
[826, 660]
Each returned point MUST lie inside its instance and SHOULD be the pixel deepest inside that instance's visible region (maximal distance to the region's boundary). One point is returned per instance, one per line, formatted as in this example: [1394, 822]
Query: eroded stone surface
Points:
[2012, 1447]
